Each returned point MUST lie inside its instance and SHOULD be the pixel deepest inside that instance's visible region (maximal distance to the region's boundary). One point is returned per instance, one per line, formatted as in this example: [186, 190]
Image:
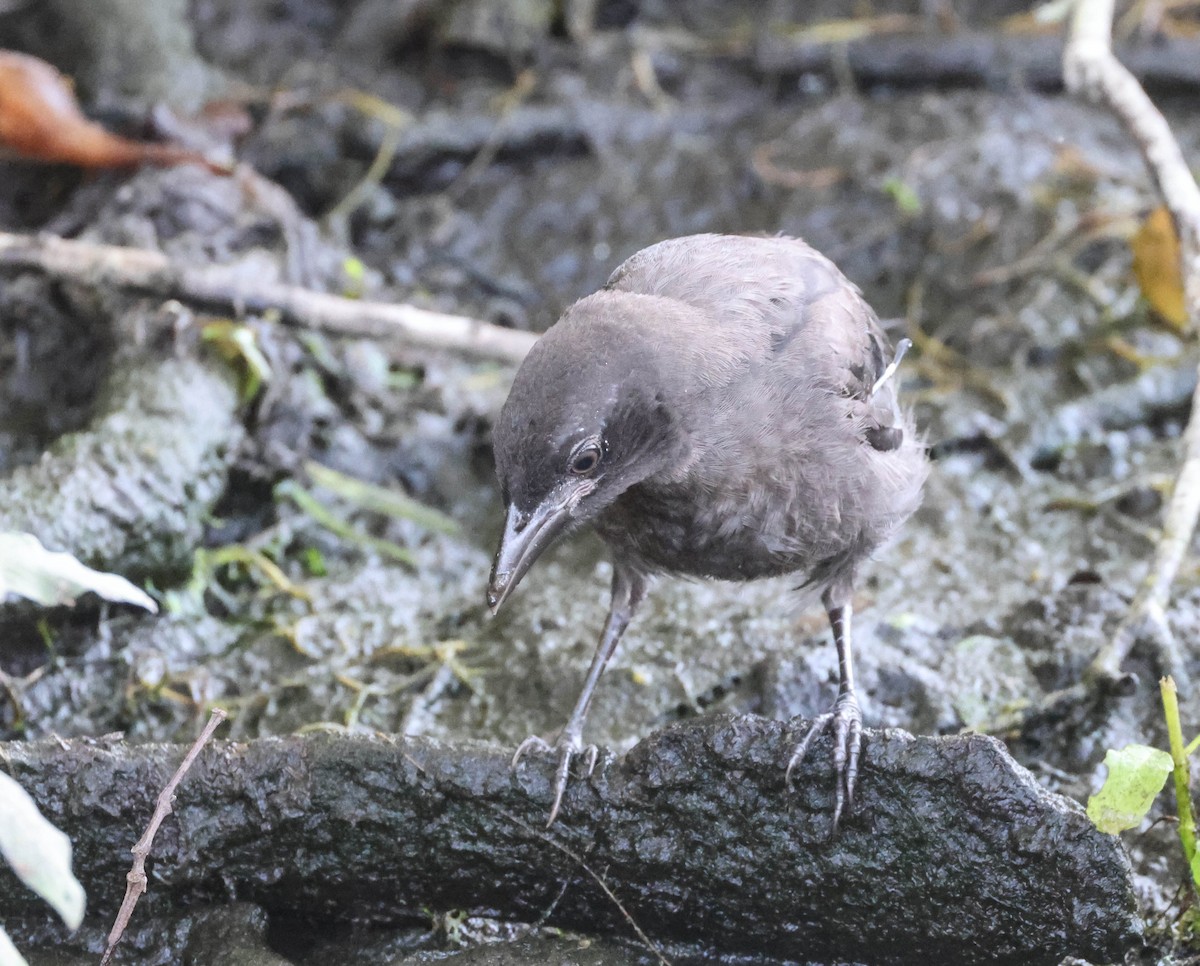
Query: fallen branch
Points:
[968, 59]
[953, 854]
[135, 879]
[235, 290]
[1091, 69]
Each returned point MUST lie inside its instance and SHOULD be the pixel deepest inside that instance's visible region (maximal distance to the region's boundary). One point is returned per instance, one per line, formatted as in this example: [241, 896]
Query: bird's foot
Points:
[566, 747]
[846, 721]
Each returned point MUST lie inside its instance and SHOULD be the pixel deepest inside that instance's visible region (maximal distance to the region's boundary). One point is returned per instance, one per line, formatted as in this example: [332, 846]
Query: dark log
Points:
[966, 58]
[972, 59]
[954, 854]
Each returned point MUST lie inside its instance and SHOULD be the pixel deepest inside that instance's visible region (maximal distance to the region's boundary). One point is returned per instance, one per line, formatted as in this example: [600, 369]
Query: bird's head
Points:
[588, 417]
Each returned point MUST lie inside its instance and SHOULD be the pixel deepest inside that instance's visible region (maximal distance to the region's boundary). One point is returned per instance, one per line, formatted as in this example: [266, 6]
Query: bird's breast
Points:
[793, 497]
[729, 533]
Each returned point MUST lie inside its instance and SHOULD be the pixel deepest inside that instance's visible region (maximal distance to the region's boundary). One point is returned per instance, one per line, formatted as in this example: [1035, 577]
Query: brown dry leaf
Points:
[1156, 266]
[40, 120]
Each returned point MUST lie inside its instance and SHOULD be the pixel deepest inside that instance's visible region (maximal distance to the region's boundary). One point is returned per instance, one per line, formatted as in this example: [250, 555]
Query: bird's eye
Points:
[585, 461]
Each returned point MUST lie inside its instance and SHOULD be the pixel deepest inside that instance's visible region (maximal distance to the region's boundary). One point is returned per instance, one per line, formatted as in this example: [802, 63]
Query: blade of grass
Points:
[378, 499]
[1183, 797]
[237, 553]
[291, 490]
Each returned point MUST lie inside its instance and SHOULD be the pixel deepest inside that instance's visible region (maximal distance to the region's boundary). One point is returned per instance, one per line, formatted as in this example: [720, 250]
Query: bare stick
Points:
[549, 839]
[136, 878]
[1091, 69]
[232, 287]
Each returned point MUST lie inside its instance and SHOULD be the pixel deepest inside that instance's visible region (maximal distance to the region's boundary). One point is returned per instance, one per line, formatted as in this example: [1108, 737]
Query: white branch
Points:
[1091, 69]
[226, 285]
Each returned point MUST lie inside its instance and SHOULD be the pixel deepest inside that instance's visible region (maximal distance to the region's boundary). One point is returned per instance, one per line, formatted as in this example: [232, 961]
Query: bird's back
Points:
[796, 465]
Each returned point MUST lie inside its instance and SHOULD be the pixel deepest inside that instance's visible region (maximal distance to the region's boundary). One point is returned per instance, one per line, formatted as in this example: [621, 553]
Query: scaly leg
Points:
[628, 589]
[845, 717]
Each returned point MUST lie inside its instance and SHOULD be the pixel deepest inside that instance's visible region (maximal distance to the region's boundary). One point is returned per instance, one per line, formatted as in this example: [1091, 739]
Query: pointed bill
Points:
[526, 536]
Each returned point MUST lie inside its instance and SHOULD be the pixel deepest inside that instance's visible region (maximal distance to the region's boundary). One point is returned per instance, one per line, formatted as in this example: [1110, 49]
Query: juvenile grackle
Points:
[722, 408]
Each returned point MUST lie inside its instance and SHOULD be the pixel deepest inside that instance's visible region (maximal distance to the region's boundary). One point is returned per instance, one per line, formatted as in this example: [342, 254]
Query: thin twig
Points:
[231, 287]
[509, 102]
[379, 167]
[549, 839]
[771, 172]
[136, 877]
[1091, 69]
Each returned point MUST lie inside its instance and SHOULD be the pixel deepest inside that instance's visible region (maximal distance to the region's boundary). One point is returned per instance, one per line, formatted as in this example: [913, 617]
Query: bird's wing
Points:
[753, 282]
[791, 306]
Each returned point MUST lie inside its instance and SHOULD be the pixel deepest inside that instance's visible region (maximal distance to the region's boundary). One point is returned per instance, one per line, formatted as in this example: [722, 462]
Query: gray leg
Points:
[845, 717]
[628, 589]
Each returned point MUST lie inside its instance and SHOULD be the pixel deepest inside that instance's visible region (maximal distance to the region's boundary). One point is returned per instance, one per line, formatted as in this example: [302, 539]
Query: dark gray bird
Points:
[721, 408]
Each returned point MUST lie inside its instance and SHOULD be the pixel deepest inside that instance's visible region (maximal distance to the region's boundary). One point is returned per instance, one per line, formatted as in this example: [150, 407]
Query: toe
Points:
[841, 754]
[845, 722]
[819, 725]
[855, 750]
[566, 749]
[532, 743]
[561, 776]
[841, 743]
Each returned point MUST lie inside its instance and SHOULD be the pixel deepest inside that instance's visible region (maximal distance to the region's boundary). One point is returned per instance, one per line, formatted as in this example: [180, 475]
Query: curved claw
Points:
[533, 741]
[566, 749]
[846, 720]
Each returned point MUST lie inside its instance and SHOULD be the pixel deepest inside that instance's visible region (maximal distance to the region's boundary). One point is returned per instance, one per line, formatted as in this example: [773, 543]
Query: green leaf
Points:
[1136, 774]
[1196, 868]
[354, 272]
[907, 201]
[38, 852]
[314, 562]
[28, 569]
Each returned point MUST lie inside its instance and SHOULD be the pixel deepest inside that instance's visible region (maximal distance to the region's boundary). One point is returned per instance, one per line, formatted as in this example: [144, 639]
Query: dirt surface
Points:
[990, 224]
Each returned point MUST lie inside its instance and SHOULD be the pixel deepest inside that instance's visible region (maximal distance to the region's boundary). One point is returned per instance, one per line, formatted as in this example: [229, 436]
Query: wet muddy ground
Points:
[990, 225]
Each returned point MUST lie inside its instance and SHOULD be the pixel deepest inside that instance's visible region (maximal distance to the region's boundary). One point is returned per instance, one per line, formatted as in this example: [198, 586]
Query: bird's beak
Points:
[526, 535]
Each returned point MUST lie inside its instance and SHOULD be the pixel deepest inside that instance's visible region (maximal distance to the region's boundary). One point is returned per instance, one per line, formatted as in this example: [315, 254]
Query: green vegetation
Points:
[1136, 775]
